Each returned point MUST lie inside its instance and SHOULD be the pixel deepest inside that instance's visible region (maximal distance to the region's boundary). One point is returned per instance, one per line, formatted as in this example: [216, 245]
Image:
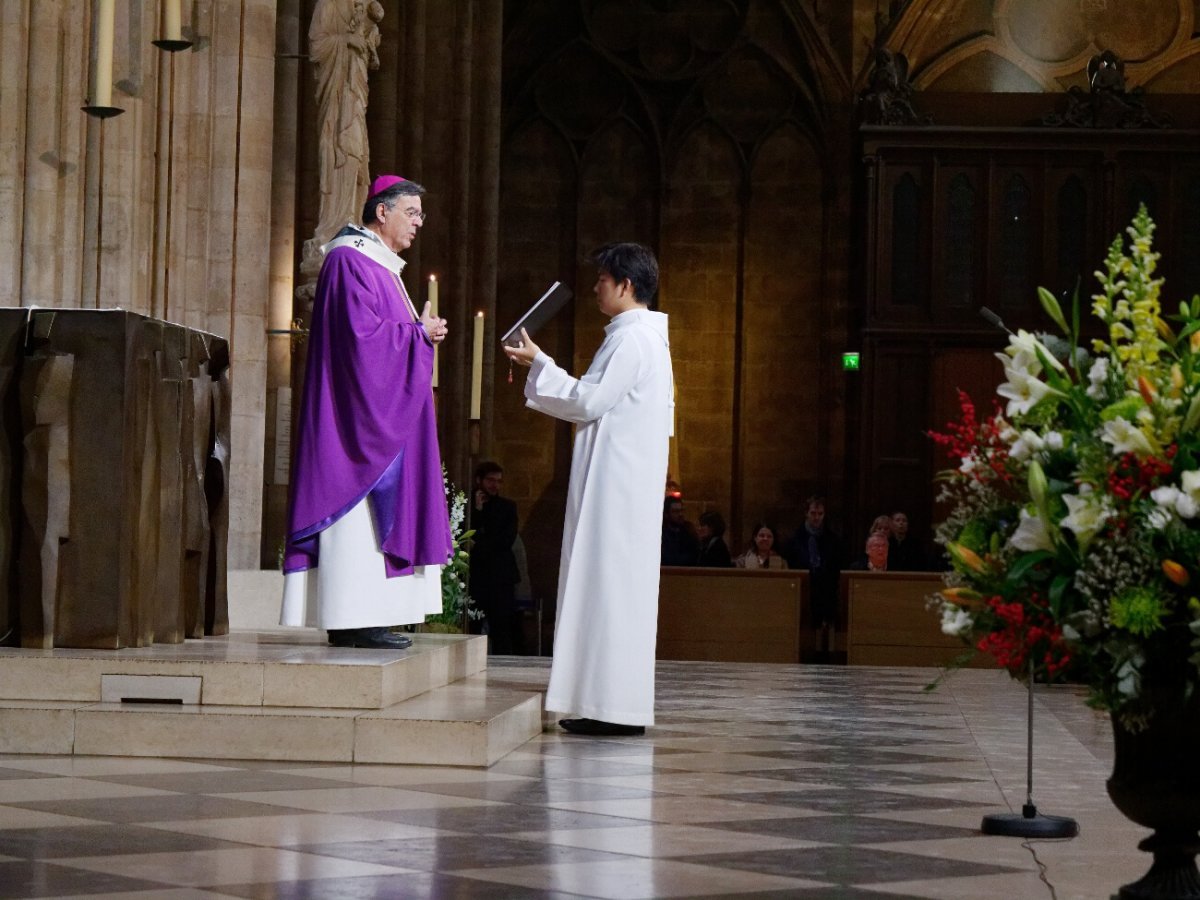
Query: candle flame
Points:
[433, 278]
[479, 315]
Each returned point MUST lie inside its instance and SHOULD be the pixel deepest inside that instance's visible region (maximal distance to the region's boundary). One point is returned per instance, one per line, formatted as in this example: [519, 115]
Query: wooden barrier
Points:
[732, 615]
[889, 624]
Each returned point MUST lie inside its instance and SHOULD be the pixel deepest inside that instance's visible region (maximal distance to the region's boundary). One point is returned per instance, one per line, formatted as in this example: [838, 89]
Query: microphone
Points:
[993, 319]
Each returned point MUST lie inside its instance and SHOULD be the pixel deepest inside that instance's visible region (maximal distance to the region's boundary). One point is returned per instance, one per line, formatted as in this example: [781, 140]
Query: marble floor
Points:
[758, 781]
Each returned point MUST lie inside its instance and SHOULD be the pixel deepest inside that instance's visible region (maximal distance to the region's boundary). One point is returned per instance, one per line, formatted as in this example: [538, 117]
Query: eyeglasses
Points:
[414, 213]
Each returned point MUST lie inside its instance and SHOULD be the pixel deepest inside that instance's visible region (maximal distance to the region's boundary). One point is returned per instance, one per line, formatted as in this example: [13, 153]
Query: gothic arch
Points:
[1050, 41]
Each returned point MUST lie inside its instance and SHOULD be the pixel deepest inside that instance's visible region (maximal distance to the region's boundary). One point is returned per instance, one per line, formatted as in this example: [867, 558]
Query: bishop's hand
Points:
[434, 327]
[524, 353]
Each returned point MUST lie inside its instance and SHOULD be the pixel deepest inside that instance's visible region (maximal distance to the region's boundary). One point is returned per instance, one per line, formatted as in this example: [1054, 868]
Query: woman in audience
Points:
[882, 524]
[761, 554]
[714, 552]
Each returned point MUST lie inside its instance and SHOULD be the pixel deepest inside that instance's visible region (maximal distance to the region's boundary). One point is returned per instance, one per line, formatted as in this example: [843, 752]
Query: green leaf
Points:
[1192, 419]
[1058, 587]
[1020, 569]
[1187, 331]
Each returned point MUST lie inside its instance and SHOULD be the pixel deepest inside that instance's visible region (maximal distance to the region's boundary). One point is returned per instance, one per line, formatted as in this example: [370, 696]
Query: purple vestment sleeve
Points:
[367, 424]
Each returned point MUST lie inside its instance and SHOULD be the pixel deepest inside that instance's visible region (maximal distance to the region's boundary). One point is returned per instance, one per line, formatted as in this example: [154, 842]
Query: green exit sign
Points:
[850, 362]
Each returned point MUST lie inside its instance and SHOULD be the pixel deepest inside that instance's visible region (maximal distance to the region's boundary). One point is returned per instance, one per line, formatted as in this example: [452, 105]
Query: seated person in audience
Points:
[876, 557]
[761, 554]
[904, 553]
[680, 546]
[714, 552]
[881, 524]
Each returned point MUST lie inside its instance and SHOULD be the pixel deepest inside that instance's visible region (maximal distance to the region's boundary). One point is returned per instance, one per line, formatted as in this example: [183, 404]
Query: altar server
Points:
[603, 667]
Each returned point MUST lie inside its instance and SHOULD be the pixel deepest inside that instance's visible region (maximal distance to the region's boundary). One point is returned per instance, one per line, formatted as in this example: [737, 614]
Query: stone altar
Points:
[113, 474]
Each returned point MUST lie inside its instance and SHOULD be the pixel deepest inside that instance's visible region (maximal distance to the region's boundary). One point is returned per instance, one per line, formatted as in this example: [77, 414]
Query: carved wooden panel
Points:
[1001, 212]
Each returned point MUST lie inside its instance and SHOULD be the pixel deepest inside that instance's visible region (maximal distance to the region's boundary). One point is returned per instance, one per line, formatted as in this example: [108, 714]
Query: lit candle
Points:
[102, 80]
[477, 368]
[172, 29]
[433, 309]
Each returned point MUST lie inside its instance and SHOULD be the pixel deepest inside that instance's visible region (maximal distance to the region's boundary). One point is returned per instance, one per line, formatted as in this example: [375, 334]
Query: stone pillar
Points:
[15, 41]
[285, 160]
[250, 282]
[434, 116]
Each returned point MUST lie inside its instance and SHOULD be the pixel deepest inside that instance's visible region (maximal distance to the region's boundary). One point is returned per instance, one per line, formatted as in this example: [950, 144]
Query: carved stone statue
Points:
[343, 43]
[1108, 104]
[888, 97]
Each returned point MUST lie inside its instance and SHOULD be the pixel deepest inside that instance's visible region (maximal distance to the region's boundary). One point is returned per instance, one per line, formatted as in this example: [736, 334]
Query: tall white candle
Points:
[172, 21]
[103, 76]
[433, 308]
[477, 368]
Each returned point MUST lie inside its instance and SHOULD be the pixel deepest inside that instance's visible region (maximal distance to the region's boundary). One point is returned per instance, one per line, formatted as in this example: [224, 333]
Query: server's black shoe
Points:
[597, 728]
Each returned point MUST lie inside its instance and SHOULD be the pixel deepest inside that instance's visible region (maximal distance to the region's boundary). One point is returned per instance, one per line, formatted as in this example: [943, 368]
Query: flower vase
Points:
[1156, 783]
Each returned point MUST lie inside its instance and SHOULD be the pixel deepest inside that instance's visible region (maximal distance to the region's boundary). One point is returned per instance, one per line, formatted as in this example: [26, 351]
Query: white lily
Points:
[1165, 496]
[1084, 516]
[1026, 445]
[1022, 362]
[955, 620]
[1025, 344]
[1125, 438]
[1024, 391]
[1054, 440]
[1031, 534]
[1190, 481]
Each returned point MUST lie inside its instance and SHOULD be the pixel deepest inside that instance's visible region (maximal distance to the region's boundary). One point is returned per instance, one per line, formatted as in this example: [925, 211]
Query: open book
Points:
[539, 314]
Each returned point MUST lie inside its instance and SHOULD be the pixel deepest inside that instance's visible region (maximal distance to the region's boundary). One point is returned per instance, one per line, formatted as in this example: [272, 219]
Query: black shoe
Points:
[596, 727]
[368, 639]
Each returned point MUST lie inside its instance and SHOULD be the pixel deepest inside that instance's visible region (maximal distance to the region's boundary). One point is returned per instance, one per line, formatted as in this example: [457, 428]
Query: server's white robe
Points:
[607, 623]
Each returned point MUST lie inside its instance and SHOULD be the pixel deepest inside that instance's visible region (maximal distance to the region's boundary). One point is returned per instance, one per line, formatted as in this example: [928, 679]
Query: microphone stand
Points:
[1029, 822]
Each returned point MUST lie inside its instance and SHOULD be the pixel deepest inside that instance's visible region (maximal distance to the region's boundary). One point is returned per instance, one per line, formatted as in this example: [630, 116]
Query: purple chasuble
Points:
[367, 425]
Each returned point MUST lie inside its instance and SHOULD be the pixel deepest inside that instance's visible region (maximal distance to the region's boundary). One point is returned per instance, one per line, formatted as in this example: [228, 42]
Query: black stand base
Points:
[1029, 823]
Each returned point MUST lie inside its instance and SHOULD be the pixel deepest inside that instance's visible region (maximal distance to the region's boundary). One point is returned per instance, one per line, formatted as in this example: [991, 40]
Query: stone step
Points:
[292, 668]
[469, 723]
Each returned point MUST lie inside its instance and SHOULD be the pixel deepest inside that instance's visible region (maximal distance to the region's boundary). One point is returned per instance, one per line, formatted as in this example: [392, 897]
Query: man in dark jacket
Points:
[816, 548]
[494, 573]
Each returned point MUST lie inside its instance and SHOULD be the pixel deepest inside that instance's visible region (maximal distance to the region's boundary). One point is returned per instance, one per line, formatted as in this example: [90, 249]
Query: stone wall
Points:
[164, 210]
[718, 135]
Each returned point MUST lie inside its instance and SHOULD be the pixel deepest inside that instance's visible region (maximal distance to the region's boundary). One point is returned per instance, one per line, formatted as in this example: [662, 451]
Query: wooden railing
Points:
[735, 615]
[732, 615]
[889, 623]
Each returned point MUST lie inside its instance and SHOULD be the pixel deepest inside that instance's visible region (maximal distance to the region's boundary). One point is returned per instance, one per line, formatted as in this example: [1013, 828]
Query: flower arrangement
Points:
[457, 604]
[1074, 523]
